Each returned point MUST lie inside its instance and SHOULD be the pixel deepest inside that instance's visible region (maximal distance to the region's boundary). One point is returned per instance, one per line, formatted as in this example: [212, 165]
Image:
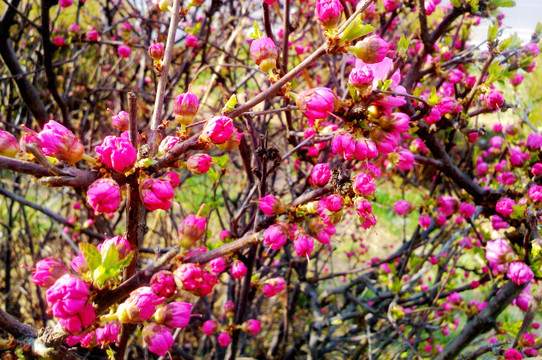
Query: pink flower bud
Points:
[505, 206]
[535, 193]
[67, 296]
[317, 103]
[74, 28]
[498, 223]
[174, 315]
[531, 49]
[402, 207]
[139, 307]
[328, 12]
[191, 41]
[494, 99]
[59, 41]
[233, 142]
[218, 130]
[57, 141]
[264, 53]
[303, 245]
[433, 117]
[218, 265]
[370, 50]
[121, 121]
[224, 339]
[192, 278]
[167, 144]
[156, 51]
[163, 284]
[320, 174]
[199, 164]
[117, 153]
[517, 79]
[158, 338]
[455, 76]
[361, 78]
[173, 178]
[466, 209]
[65, 3]
[270, 205]
[343, 145]
[48, 271]
[364, 184]
[93, 36]
[185, 107]
[238, 269]
[447, 205]
[519, 273]
[210, 327]
[498, 251]
[156, 194]
[124, 51]
[104, 196]
[9, 146]
[536, 169]
[80, 321]
[405, 159]
[107, 334]
[252, 326]
[273, 286]
[424, 221]
[391, 5]
[121, 243]
[276, 235]
[534, 142]
[191, 230]
[321, 230]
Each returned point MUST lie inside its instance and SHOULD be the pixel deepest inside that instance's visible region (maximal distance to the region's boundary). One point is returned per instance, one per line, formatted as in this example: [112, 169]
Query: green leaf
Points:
[91, 254]
[474, 5]
[403, 46]
[519, 212]
[492, 32]
[356, 29]
[222, 161]
[433, 99]
[213, 174]
[384, 86]
[455, 3]
[353, 92]
[111, 258]
[495, 72]
[506, 43]
[126, 261]
[502, 3]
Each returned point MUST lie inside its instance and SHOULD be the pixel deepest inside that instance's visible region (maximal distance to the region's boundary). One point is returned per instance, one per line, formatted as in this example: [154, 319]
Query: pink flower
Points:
[402, 207]
[218, 265]
[191, 40]
[156, 51]
[466, 209]
[80, 321]
[328, 12]
[276, 235]
[68, 296]
[270, 205]
[303, 245]
[517, 79]
[512, 354]
[532, 49]
[344, 145]
[447, 205]
[210, 327]
[505, 206]
[199, 163]
[107, 334]
[364, 184]
[526, 340]
[252, 326]
[224, 339]
[320, 174]
[93, 36]
[264, 53]
[195, 280]
[361, 78]
[535, 193]
[519, 273]
[104, 196]
[218, 130]
[9, 147]
[273, 286]
[139, 307]
[534, 141]
[524, 298]
[433, 117]
[174, 315]
[57, 141]
[424, 221]
[233, 142]
[406, 159]
[163, 284]
[117, 153]
[364, 150]
[498, 223]
[317, 103]
[391, 5]
[48, 271]
[156, 194]
[536, 169]
[385, 142]
[185, 107]
[120, 242]
[455, 76]
[494, 99]
[65, 3]
[124, 51]
[363, 207]
[370, 50]
[454, 298]
[238, 269]
[158, 338]
[323, 231]
[191, 230]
